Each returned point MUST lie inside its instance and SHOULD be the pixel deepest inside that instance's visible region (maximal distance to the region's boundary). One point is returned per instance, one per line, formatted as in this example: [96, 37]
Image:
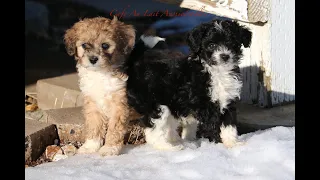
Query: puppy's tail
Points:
[144, 43]
[153, 42]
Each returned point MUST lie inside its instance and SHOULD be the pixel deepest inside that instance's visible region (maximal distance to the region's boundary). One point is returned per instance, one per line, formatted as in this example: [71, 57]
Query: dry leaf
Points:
[52, 151]
[31, 107]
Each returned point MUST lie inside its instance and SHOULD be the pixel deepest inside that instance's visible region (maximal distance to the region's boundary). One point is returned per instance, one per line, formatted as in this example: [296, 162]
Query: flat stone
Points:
[31, 91]
[69, 122]
[65, 116]
[37, 115]
[38, 136]
[70, 125]
[251, 118]
[59, 92]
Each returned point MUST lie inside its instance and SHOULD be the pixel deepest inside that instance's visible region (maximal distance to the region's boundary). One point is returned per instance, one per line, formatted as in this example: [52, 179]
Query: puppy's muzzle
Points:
[93, 59]
[224, 57]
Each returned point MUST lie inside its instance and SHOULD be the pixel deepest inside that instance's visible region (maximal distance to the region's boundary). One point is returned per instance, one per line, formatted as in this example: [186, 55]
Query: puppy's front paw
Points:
[165, 112]
[110, 150]
[90, 146]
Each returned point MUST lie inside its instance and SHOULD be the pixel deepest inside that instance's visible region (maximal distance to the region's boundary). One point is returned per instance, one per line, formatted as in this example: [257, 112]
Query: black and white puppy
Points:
[199, 91]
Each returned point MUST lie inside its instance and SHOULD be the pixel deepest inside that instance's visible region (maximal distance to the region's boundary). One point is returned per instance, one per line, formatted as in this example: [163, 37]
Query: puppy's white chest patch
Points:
[224, 85]
[99, 85]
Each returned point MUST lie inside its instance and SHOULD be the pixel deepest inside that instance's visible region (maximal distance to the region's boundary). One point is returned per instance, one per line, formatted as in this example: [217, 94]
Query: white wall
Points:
[283, 50]
[268, 67]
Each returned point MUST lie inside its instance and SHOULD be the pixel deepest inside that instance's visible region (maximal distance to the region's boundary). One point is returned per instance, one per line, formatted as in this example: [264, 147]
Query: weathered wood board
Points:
[252, 11]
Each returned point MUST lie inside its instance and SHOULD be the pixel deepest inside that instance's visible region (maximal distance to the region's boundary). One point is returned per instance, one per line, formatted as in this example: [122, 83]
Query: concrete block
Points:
[70, 125]
[59, 92]
[69, 122]
[251, 118]
[31, 91]
[38, 136]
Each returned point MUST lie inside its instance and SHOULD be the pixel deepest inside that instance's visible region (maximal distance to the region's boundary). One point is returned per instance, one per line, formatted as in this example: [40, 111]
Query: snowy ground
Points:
[267, 155]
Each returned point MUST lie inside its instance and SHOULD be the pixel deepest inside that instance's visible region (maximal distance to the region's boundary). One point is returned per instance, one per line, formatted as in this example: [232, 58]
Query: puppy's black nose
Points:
[93, 59]
[224, 57]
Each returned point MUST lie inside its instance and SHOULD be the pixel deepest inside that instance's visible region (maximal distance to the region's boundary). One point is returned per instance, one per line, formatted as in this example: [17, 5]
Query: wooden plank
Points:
[258, 10]
[243, 10]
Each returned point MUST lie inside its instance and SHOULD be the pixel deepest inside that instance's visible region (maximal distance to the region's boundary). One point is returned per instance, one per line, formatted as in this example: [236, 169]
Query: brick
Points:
[59, 92]
[38, 136]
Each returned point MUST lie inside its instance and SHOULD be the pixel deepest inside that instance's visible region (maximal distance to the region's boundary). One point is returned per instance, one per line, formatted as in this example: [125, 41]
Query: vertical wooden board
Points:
[253, 66]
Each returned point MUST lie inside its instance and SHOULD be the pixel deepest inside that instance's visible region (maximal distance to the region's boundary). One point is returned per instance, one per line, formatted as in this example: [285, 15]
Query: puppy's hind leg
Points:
[94, 127]
[164, 135]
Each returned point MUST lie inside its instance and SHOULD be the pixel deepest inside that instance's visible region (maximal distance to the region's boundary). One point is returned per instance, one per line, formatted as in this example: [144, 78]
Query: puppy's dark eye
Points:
[211, 46]
[105, 46]
[85, 45]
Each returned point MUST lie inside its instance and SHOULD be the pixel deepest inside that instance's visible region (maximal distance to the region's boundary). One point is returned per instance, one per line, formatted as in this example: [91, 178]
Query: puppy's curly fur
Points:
[100, 46]
[200, 89]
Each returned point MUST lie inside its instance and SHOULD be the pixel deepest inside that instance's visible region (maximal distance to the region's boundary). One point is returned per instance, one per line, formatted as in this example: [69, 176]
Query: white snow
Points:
[267, 155]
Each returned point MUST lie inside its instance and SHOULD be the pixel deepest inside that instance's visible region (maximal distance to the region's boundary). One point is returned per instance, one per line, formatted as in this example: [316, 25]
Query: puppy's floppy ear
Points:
[114, 20]
[194, 37]
[245, 35]
[129, 33]
[70, 39]
[131, 38]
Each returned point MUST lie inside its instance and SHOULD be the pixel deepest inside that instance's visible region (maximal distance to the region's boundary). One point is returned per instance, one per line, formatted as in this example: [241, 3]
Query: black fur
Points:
[160, 76]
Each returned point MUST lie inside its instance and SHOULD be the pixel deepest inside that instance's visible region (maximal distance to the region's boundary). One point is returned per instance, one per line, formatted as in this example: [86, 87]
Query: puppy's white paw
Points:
[229, 136]
[90, 146]
[165, 112]
[110, 150]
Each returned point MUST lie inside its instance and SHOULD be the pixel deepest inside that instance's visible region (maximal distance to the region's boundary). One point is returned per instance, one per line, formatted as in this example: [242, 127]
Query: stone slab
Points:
[59, 92]
[70, 125]
[251, 118]
[31, 90]
[38, 136]
[69, 122]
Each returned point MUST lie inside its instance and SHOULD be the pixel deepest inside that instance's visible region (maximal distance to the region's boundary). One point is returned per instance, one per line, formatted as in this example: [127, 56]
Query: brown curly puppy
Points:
[100, 46]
